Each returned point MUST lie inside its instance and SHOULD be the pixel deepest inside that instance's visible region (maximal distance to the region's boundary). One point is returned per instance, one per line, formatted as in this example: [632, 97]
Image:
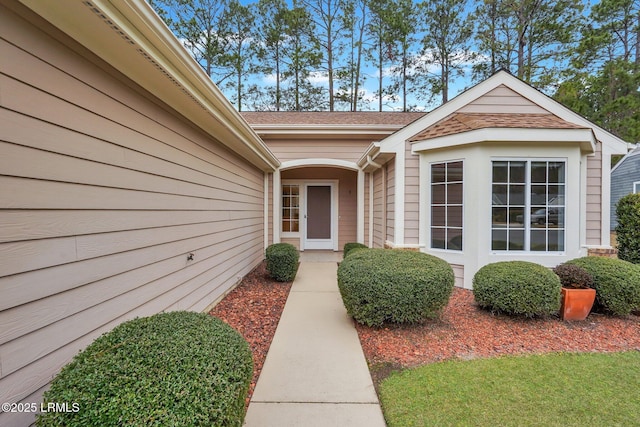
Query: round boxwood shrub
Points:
[394, 286]
[617, 284]
[348, 247]
[172, 369]
[628, 228]
[517, 288]
[282, 261]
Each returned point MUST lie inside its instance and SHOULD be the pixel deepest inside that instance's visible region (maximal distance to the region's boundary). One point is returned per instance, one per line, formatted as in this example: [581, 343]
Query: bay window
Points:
[446, 205]
[528, 205]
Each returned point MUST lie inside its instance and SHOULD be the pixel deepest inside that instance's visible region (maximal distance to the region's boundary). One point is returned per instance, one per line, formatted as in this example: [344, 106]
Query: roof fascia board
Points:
[142, 47]
[584, 137]
[632, 153]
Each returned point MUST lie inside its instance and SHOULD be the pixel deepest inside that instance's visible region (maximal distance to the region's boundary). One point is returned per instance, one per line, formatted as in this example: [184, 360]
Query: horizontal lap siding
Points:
[594, 197]
[502, 100]
[391, 193]
[411, 198]
[378, 209]
[348, 150]
[103, 193]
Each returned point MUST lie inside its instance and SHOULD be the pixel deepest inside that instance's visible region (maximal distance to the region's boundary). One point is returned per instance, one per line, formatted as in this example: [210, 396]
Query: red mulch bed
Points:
[465, 331]
[254, 308]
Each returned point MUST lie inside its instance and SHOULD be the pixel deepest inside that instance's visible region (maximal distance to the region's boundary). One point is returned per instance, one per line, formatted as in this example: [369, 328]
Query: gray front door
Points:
[318, 217]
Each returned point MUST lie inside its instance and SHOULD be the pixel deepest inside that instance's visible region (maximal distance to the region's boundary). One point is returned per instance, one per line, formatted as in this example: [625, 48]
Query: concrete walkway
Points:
[315, 373]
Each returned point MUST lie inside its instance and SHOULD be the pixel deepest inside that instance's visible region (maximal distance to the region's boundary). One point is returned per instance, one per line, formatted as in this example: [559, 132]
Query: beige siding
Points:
[347, 201]
[502, 100]
[349, 150]
[594, 197]
[378, 209]
[390, 205]
[103, 193]
[411, 198]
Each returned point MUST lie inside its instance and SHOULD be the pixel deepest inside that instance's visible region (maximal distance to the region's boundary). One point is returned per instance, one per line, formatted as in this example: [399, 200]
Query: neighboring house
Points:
[625, 179]
[130, 186]
[118, 158]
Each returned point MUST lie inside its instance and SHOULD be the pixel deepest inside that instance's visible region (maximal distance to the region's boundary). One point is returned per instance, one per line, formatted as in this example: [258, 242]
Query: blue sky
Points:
[458, 85]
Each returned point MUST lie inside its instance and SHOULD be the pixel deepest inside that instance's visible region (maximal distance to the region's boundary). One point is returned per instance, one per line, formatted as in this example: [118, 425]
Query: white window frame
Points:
[299, 184]
[636, 187]
[527, 205]
[446, 204]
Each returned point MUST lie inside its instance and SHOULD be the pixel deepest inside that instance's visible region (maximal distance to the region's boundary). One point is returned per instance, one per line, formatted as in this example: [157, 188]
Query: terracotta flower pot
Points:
[577, 303]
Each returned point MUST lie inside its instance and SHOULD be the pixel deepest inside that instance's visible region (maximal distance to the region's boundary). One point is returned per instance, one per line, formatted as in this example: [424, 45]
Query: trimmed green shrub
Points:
[628, 228]
[617, 284]
[573, 276]
[517, 288]
[171, 369]
[395, 286]
[348, 247]
[282, 261]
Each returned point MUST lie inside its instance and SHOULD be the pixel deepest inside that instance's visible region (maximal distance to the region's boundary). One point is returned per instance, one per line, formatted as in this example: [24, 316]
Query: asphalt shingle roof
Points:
[464, 122]
[329, 118]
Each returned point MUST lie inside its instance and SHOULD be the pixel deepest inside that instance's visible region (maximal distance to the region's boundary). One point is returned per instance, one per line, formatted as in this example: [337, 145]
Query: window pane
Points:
[438, 236]
[556, 172]
[539, 240]
[516, 240]
[454, 217]
[438, 216]
[556, 194]
[556, 240]
[516, 217]
[517, 172]
[438, 172]
[295, 226]
[499, 240]
[499, 196]
[454, 172]
[556, 216]
[516, 194]
[438, 194]
[539, 172]
[454, 194]
[499, 217]
[454, 236]
[500, 171]
[538, 216]
[538, 194]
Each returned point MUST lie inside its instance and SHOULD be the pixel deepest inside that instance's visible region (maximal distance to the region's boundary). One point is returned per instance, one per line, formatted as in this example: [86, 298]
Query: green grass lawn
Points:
[549, 390]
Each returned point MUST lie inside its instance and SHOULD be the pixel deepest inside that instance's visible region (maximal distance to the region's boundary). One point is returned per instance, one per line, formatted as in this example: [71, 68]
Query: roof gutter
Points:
[132, 38]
